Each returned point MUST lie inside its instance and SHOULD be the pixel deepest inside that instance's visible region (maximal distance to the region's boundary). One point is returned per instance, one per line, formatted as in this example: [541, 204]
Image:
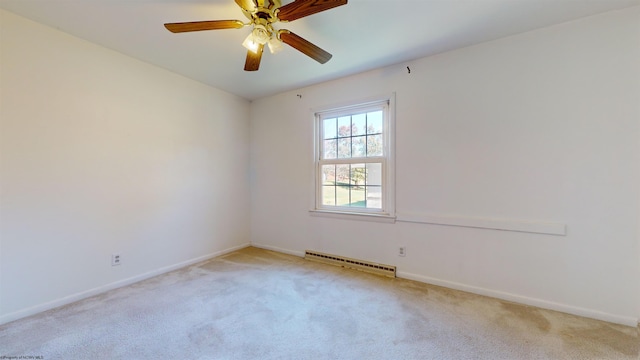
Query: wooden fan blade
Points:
[302, 8]
[304, 46]
[252, 63]
[249, 5]
[204, 25]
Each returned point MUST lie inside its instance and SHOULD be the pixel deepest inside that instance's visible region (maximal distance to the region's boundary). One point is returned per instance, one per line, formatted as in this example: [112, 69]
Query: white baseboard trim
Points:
[544, 304]
[277, 249]
[118, 284]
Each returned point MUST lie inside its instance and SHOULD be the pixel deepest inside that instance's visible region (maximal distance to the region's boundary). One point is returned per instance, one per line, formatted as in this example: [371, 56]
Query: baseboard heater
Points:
[371, 267]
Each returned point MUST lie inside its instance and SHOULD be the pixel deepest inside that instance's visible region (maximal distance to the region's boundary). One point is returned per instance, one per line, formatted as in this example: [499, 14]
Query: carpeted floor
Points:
[258, 304]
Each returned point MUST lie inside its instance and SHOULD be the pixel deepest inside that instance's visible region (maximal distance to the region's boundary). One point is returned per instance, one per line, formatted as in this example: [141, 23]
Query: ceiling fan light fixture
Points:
[261, 34]
[251, 44]
[275, 45]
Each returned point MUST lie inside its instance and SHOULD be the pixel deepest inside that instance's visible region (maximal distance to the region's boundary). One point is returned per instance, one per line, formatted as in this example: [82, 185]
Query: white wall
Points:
[100, 154]
[539, 127]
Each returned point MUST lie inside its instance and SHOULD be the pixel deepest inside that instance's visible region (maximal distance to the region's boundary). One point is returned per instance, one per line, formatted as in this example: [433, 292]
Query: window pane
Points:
[344, 126]
[374, 145]
[342, 174]
[374, 122]
[358, 174]
[374, 197]
[329, 195]
[374, 174]
[329, 150]
[329, 128]
[358, 146]
[358, 124]
[328, 174]
[357, 197]
[342, 195]
[344, 148]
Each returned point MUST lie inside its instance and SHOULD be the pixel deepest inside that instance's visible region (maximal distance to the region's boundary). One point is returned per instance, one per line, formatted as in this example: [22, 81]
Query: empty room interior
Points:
[471, 167]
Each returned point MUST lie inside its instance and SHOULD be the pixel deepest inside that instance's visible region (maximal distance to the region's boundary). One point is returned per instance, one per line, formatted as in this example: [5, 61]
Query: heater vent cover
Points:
[371, 267]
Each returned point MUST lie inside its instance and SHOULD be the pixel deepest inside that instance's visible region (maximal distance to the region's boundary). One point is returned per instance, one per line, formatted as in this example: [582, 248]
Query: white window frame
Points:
[387, 213]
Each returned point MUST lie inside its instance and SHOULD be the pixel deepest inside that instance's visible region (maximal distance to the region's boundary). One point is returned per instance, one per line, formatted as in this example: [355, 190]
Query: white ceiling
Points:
[362, 35]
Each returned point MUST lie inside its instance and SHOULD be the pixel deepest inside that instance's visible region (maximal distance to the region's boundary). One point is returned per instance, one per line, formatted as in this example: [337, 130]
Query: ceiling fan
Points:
[262, 15]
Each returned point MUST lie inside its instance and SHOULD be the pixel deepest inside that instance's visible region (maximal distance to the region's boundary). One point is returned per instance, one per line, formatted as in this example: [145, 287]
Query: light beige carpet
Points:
[257, 304]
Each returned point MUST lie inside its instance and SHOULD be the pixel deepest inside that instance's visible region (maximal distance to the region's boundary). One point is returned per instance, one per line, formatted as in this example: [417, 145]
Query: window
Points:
[353, 169]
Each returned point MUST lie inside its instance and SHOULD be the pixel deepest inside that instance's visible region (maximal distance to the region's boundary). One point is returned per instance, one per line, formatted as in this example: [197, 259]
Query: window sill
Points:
[382, 218]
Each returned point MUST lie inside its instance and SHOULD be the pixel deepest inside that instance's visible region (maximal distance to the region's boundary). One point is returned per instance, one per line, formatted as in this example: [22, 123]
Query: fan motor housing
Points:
[266, 10]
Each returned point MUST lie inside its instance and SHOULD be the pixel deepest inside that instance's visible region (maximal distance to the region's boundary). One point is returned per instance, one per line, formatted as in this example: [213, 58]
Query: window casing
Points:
[353, 159]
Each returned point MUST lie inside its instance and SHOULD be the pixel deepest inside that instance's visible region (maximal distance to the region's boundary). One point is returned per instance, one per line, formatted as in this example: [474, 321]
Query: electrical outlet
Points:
[402, 251]
[115, 259]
